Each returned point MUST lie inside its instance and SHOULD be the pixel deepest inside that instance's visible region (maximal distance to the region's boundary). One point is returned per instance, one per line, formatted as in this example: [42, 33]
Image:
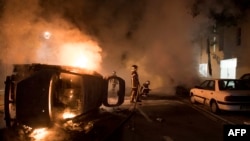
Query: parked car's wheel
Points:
[192, 99]
[214, 107]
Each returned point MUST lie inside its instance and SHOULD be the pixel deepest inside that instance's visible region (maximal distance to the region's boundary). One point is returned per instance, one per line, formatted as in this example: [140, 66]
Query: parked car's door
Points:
[210, 91]
[202, 91]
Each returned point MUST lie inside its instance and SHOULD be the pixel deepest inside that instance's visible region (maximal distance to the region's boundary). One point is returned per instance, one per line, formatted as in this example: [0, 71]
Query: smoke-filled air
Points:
[105, 36]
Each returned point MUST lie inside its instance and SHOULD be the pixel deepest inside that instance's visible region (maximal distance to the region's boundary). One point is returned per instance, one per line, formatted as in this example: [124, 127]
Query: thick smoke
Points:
[155, 35]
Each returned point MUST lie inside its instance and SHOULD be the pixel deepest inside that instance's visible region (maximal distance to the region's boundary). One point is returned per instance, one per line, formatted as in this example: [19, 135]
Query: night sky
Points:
[157, 35]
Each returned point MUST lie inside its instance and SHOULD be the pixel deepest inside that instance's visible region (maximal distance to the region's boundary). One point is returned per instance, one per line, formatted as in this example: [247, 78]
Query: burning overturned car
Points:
[40, 96]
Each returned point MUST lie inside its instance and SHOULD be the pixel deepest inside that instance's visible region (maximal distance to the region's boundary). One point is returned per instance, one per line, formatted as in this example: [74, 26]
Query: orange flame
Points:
[84, 55]
[39, 134]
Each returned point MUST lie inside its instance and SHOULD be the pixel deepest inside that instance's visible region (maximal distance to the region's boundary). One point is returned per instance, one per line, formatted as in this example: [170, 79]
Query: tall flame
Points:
[84, 55]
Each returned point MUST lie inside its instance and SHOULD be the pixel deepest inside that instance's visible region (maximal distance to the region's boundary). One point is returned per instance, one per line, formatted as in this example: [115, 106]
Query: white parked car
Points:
[222, 94]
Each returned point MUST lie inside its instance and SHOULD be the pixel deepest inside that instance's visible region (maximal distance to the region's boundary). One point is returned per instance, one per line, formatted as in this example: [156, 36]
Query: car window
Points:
[204, 84]
[222, 84]
[208, 85]
[211, 85]
[233, 85]
[241, 85]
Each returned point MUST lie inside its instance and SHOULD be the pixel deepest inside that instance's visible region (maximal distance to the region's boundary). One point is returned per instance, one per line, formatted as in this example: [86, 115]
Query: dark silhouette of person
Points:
[145, 88]
[135, 83]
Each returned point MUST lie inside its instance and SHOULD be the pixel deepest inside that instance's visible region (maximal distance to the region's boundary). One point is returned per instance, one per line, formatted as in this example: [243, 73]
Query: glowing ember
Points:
[68, 115]
[39, 134]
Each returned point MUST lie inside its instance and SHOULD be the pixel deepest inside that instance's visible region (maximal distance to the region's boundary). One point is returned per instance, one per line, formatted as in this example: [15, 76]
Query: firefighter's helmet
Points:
[134, 66]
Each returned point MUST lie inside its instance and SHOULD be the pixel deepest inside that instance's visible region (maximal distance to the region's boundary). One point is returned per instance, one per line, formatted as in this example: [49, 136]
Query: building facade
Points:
[225, 52]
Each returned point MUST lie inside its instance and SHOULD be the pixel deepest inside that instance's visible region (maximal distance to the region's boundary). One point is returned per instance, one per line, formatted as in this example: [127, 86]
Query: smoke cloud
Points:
[155, 35]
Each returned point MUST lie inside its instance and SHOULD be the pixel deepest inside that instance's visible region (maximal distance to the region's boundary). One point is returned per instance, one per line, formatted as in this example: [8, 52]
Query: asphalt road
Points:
[158, 117]
[167, 118]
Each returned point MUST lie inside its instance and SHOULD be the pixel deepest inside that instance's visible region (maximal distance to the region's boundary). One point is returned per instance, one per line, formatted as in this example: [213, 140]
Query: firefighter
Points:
[135, 83]
[145, 88]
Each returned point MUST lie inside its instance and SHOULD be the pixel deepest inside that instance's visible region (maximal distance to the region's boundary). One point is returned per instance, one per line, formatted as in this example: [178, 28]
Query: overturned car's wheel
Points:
[9, 103]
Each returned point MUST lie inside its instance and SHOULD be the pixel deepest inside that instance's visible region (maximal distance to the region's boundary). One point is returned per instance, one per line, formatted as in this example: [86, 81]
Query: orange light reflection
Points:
[68, 115]
[39, 134]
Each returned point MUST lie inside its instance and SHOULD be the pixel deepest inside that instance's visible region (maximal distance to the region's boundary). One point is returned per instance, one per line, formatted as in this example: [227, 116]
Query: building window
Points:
[238, 39]
[203, 70]
[228, 68]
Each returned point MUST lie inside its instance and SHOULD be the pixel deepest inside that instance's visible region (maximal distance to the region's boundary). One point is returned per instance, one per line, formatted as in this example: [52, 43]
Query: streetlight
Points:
[47, 35]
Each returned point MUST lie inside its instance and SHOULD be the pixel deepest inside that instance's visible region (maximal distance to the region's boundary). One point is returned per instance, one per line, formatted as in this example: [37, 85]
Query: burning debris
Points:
[80, 127]
[39, 96]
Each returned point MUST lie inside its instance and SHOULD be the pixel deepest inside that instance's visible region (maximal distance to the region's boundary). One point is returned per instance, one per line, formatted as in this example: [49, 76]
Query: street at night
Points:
[158, 117]
[124, 70]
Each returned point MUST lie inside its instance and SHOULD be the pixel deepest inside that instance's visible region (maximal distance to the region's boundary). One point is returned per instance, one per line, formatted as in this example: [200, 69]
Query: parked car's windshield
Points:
[233, 85]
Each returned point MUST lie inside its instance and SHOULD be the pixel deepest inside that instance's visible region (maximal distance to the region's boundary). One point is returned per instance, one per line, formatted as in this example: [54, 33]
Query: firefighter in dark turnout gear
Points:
[135, 83]
[145, 88]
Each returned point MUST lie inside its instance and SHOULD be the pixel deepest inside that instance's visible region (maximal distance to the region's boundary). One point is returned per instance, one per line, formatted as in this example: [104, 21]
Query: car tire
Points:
[9, 103]
[214, 107]
[192, 99]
